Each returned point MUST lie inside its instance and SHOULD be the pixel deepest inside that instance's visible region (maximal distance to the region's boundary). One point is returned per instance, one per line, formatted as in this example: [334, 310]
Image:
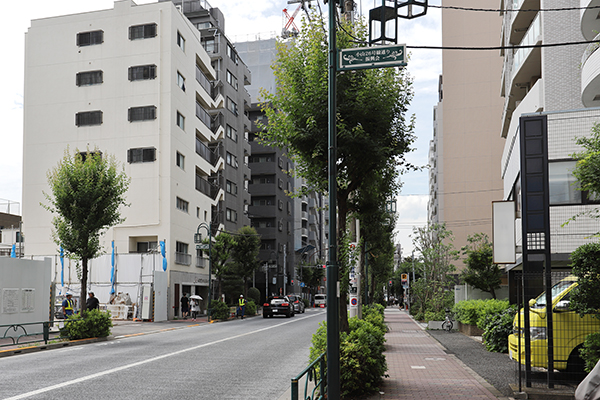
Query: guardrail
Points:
[315, 382]
[19, 331]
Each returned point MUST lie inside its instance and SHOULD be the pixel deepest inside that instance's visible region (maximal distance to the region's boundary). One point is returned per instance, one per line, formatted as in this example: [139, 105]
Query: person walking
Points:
[68, 306]
[241, 306]
[185, 306]
[92, 303]
[195, 308]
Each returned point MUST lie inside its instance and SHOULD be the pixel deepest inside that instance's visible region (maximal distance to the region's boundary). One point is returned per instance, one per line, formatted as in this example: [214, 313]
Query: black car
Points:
[297, 302]
[278, 305]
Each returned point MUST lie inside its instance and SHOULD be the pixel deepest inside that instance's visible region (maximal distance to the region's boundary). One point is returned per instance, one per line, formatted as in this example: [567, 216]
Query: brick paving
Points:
[419, 368]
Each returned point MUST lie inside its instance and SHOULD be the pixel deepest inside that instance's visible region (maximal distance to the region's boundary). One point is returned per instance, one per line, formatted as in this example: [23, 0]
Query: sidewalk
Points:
[419, 368]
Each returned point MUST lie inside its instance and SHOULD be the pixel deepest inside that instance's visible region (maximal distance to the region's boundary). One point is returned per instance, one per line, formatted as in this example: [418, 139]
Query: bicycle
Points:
[447, 325]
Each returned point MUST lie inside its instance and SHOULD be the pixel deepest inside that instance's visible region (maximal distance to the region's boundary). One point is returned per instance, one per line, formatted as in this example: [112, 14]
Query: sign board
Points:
[202, 246]
[372, 57]
[404, 278]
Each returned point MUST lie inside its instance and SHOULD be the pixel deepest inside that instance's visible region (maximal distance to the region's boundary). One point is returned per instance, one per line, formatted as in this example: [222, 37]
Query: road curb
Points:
[50, 346]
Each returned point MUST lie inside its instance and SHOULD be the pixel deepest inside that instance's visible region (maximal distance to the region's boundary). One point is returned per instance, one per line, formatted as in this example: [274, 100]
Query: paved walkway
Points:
[419, 368]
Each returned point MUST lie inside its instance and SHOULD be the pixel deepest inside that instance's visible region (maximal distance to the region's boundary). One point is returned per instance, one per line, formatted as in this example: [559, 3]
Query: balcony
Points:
[590, 24]
[522, 19]
[203, 80]
[203, 115]
[207, 188]
[590, 75]
[205, 152]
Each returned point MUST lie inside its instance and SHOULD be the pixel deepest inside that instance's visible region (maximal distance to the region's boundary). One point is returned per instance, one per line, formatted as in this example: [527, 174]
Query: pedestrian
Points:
[195, 307]
[92, 302]
[68, 306]
[185, 306]
[241, 306]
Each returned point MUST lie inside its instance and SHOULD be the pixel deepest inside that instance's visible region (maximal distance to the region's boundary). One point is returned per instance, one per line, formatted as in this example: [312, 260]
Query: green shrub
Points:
[90, 324]
[306, 303]
[362, 362]
[253, 294]
[590, 352]
[250, 307]
[433, 308]
[219, 310]
[473, 312]
[497, 328]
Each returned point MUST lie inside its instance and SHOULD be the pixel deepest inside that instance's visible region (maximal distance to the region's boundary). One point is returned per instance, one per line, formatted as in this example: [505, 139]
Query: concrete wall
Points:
[466, 292]
[24, 291]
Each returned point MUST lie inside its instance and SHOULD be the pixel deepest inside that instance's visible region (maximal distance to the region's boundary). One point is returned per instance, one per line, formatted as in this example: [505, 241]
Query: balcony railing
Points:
[534, 31]
[591, 49]
[183, 258]
[204, 186]
[205, 152]
[203, 115]
[203, 80]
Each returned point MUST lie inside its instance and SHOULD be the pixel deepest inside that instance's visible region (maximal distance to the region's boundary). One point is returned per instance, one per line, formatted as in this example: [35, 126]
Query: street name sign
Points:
[372, 57]
[202, 246]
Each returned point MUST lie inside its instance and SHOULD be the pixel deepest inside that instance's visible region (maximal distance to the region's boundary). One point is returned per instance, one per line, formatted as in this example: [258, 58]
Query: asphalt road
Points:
[254, 358]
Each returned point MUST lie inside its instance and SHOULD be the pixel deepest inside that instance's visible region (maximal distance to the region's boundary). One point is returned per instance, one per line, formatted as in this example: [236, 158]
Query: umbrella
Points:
[195, 297]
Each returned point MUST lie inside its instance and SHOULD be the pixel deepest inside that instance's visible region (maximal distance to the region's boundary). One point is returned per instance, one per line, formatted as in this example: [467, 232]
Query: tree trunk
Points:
[493, 292]
[84, 278]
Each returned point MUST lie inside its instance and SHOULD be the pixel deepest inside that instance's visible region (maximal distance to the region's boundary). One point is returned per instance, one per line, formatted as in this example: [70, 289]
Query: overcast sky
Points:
[244, 20]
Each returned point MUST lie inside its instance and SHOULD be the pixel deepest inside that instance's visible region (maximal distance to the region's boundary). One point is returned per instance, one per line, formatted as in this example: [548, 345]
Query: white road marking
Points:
[136, 364]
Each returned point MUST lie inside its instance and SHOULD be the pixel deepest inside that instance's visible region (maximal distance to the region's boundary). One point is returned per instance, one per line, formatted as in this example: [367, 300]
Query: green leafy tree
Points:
[221, 254]
[245, 253]
[481, 272]
[373, 132]
[585, 261]
[87, 191]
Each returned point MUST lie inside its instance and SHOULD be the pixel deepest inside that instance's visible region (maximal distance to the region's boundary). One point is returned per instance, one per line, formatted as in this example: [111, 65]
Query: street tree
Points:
[221, 257]
[245, 253]
[373, 131]
[585, 261]
[430, 293]
[481, 272]
[87, 190]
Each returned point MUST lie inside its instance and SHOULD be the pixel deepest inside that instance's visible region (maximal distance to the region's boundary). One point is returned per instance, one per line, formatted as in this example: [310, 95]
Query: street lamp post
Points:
[200, 245]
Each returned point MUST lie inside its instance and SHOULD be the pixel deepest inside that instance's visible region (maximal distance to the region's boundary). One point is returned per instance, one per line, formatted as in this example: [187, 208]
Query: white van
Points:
[320, 300]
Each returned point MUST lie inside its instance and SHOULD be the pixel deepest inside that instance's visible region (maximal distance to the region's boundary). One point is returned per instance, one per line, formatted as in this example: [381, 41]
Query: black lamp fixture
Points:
[384, 19]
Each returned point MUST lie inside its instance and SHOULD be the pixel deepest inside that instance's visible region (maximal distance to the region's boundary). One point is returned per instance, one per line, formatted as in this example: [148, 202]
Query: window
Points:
[180, 120]
[232, 80]
[180, 41]
[180, 160]
[181, 254]
[141, 155]
[263, 201]
[209, 45]
[203, 25]
[142, 31]
[88, 78]
[180, 81]
[280, 205]
[141, 113]
[231, 187]
[182, 205]
[280, 226]
[261, 179]
[231, 133]
[280, 183]
[231, 160]
[87, 118]
[231, 215]
[145, 247]
[232, 106]
[84, 155]
[231, 53]
[262, 158]
[561, 183]
[90, 38]
[142, 72]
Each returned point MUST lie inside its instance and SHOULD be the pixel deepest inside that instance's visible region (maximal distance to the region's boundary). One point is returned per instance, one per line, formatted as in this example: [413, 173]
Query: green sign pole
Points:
[333, 318]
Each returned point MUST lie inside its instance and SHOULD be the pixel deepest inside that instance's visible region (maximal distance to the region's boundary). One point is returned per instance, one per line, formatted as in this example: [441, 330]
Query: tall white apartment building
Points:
[133, 82]
[560, 84]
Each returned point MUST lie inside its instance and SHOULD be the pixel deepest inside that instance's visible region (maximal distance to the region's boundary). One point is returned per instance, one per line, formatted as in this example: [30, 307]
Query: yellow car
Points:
[570, 330]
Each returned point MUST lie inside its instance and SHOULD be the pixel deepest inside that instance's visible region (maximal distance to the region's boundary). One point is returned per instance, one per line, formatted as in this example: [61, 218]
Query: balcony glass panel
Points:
[203, 80]
[530, 38]
[203, 115]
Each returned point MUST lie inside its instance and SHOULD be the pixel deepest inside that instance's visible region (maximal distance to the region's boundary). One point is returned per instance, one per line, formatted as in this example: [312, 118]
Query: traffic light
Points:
[390, 282]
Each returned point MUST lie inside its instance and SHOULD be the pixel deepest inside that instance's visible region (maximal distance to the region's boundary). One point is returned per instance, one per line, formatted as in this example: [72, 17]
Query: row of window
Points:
[135, 73]
[90, 118]
[145, 31]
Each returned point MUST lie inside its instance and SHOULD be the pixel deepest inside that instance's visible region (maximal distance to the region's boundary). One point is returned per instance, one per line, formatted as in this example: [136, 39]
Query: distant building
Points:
[136, 83]
[10, 235]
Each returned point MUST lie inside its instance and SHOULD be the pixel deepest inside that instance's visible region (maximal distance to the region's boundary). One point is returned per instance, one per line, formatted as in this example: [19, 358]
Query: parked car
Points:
[320, 300]
[569, 329]
[278, 305]
[298, 303]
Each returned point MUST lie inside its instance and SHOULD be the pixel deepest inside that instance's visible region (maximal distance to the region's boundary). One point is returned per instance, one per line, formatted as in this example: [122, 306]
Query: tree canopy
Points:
[245, 253]
[585, 261]
[373, 132]
[481, 272]
[87, 191]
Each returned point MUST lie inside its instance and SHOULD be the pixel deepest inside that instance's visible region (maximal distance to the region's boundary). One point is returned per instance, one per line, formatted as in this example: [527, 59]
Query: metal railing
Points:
[20, 331]
[315, 382]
